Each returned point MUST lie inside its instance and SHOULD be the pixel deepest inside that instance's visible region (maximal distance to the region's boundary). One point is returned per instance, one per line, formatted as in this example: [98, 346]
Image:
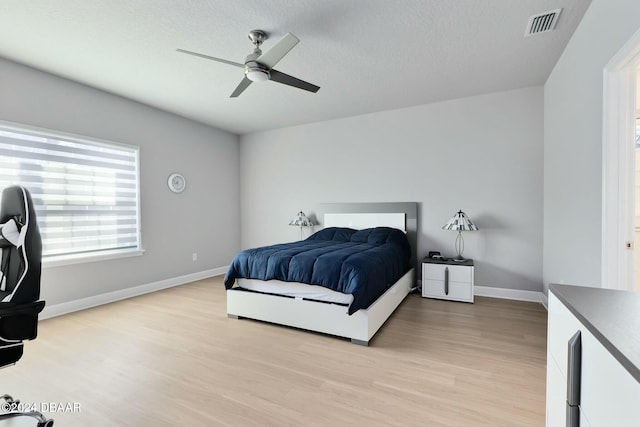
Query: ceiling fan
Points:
[258, 67]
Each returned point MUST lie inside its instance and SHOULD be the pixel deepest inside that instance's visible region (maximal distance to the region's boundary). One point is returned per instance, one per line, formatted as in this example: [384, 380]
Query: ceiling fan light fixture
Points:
[257, 74]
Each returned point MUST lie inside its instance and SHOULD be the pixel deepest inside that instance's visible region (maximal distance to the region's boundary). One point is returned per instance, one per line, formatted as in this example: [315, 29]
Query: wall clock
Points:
[176, 183]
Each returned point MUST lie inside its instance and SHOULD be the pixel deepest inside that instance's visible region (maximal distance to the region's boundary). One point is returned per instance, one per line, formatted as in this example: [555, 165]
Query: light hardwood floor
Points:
[173, 358]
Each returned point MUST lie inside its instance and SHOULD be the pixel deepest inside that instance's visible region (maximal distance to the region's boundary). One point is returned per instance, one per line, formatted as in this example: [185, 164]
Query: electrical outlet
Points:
[194, 256]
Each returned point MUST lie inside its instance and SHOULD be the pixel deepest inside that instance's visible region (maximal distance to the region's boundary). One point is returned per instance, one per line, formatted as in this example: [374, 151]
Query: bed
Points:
[263, 284]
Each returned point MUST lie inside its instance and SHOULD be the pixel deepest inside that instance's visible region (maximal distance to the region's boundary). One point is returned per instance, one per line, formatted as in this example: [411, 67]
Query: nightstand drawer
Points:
[457, 290]
[457, 273]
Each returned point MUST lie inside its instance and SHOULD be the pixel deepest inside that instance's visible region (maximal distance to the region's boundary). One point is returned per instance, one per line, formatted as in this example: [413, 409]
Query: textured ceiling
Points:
[366, 56]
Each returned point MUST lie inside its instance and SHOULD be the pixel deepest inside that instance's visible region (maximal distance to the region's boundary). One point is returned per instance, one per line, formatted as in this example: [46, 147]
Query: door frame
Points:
[618, 166]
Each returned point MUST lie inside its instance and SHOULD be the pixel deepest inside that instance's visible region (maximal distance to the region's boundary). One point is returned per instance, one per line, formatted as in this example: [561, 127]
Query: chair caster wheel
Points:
[48, 423]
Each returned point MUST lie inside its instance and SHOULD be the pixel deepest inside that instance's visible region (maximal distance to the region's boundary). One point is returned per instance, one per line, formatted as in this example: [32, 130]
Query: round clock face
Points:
[176, 183]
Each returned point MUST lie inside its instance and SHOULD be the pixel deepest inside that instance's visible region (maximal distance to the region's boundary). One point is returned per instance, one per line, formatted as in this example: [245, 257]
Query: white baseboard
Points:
[514, 294]
[504, 293]
[93, 301]
[545, 301]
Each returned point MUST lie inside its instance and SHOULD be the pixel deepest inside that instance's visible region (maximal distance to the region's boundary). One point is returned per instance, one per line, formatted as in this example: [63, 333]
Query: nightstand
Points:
[447, 279]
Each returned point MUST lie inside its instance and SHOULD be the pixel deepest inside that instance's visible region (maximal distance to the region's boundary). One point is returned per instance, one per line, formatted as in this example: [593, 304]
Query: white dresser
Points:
[605, 371]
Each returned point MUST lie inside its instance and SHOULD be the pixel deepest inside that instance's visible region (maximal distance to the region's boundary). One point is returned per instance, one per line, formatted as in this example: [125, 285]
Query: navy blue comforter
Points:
[361, 263]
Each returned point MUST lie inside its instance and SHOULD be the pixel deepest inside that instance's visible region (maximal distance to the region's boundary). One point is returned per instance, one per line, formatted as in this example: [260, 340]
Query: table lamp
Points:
[460, 222]
[301, 220]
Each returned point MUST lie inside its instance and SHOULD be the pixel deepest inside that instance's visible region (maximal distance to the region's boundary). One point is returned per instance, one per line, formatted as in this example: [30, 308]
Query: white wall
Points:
[573, 105]
[202, 219]
[482, 155]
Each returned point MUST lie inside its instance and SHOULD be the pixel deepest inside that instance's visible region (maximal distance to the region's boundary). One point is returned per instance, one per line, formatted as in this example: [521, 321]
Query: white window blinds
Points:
[85, 191]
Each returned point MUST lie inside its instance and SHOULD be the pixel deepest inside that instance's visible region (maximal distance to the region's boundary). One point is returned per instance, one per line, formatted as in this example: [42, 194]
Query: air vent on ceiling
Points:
[542, 22]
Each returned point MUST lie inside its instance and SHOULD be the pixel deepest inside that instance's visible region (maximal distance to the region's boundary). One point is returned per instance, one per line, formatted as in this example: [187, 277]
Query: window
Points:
[85, 191]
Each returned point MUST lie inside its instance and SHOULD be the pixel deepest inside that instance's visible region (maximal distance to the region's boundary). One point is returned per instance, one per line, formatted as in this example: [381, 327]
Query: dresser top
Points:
[612, 316]
[448, 261]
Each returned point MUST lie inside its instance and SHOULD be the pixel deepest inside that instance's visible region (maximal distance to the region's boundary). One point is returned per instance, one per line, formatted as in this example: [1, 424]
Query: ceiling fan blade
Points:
[244, 83]
[224, 61]
[286, 79]
[271, 57]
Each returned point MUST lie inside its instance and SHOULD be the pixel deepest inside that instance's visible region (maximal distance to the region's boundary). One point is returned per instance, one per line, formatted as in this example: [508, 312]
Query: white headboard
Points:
[360, 221]
[406, 214]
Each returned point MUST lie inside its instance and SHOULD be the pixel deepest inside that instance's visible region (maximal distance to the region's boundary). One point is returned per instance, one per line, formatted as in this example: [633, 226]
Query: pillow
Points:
[333, 233]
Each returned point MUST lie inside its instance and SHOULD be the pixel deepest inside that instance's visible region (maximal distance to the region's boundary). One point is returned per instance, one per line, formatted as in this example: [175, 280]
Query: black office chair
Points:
[20, 259]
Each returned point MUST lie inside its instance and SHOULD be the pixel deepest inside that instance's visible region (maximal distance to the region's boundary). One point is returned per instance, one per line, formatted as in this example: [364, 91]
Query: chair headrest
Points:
[20, 237]
[14, 204]
[18, 224]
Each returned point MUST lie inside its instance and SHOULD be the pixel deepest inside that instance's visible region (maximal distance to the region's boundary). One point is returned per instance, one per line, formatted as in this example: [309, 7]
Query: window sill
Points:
[61, 260]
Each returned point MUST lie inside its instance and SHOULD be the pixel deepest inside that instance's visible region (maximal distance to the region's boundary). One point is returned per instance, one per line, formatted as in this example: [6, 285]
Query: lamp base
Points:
[459, 247]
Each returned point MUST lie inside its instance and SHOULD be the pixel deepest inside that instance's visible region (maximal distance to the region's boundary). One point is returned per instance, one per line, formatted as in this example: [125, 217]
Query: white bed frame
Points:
[325, 317]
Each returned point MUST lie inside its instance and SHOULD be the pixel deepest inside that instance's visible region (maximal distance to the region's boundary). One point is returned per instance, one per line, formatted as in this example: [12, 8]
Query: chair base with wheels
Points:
[10, 409]
[17, 323]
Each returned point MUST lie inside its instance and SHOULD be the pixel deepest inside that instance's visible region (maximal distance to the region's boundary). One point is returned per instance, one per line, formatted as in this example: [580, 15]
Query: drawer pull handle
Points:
[446, 280]
[574, 368]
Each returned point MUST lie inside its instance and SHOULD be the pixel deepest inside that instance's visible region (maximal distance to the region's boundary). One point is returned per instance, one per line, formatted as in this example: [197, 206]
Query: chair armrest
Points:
[11, 309]
[19, 321]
